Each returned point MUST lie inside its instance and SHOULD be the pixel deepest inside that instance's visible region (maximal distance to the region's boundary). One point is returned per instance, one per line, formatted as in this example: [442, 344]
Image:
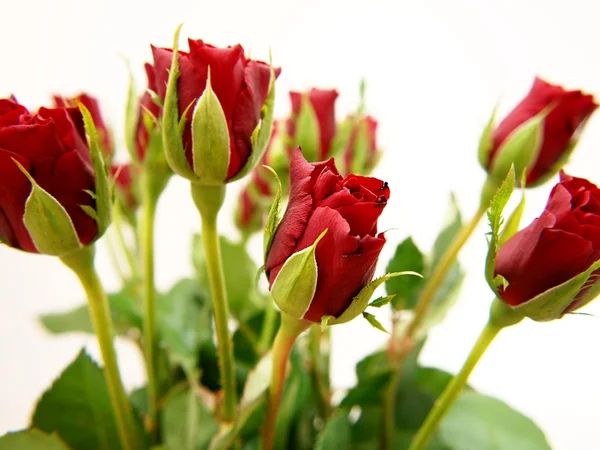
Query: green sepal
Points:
[551, 304]
[374, 322]
[494, 214]
[486, 142]
[512, 224]
[104, 198]
[172, 133]
[47, 222]
[131, 119]
[262, 132]
[521, 148]
[558, 165]
[325, 321]
[210, 138]
[382, 301]
[361, 301]
[308, 133]
[296, 282]
[274, 216]
[342, 137]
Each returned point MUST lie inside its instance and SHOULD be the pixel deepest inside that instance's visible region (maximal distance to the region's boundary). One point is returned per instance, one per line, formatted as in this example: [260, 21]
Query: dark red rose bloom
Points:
[240, 84]
[125, 183]
[323, 102]
[370, 125]
[51, 145]
[147, 105]
[93, 106]
[569, 111]
[349, 207]
[560, 244]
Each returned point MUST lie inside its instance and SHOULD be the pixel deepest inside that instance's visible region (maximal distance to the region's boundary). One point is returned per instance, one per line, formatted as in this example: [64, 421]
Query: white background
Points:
[435, 69]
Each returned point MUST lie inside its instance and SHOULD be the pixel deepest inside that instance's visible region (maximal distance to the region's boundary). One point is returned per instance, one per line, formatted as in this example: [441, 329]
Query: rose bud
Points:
[54, 193]
[312, 124]
[550, 266]
[93, 107]
[226, 104]
[125, 176]
[324, 252]
[538, 135]
[361, 154]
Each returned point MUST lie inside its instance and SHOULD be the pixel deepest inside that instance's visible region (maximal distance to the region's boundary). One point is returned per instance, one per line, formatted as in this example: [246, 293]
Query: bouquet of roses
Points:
[231, 364]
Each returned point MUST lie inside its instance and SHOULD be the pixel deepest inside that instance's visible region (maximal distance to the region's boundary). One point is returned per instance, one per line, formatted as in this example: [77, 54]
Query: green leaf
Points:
[172, 133]
[184, 323]
[307, 131]
[31, 439]
[296, 282]
[186, 423]
[47, 222]
[382, 301]
[361, 301]
[336, 433]
[210, 138]
[243, 297]
[125, 312]
[406, 289]
[77, 407]
[444, 298]
[486, 143]
[494, 214]
[374, 322]
[262, 132]
[274, 216]
[480, 422]
[104, 199]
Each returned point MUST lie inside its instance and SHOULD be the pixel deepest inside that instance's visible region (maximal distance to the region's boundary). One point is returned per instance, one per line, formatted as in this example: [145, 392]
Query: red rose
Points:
[51, 145]
[323, 103]
[366, 162]
[569, 110]
[93, 107]
[560, 244]
[125, 184]
[240, 84]
[320, 198]
[147, 105]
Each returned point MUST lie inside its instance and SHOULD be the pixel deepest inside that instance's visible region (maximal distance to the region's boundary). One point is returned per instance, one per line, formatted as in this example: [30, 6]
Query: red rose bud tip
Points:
[226, 101]
[334, 218]
[551, 265]
[538, 134]
[54, 192]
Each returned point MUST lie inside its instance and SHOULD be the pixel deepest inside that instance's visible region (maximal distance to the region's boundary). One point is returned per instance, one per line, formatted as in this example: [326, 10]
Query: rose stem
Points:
[288, 332]
[424, 301]
[117, 221]
[268, 329]
[82, 263]
[151, 190]
[322, 390]
[501, 316]
[208, 200]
